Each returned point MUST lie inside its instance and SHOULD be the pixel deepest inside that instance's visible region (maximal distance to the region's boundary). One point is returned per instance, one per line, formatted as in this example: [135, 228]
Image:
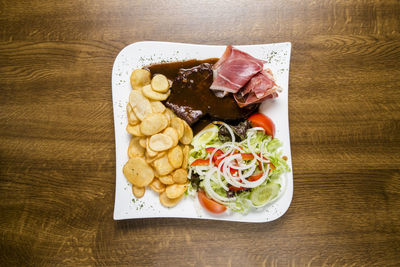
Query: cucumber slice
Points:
[264, 193]
[205, 136]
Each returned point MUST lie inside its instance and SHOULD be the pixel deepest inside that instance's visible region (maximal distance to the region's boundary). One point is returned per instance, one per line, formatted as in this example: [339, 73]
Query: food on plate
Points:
[260, 120]
[160, 83]
[140, 78]
[191, 98]
[237, 167]
[169, 202]
[148, 91]
[157, 186]
[243, 75]
[138, 172]
[156, 147]
[233, 70]
[235, 163]
[138, 191]
[259, 88]
[135, 149]
[175, 190]
[160, 142]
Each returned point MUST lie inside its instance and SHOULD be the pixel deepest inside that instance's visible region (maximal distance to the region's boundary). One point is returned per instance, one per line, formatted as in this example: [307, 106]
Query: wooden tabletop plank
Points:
[57, 152]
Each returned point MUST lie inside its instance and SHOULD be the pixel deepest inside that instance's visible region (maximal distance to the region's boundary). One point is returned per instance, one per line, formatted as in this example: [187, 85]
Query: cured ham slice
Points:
[260, 87]
[233, 70]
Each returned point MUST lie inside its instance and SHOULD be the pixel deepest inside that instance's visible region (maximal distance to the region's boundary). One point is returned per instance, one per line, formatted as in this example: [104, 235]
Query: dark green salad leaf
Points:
[239, 131]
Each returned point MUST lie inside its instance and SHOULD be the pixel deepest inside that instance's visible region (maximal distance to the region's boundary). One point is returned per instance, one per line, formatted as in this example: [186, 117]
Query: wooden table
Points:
[57, 158]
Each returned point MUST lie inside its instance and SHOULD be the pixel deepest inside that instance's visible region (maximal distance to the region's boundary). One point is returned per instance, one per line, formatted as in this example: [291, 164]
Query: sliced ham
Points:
[233, 70]
[259, 88]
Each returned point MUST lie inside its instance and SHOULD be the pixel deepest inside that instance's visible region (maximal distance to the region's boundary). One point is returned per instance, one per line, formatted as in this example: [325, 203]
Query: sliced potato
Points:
[175, 190]
[160, 142]
[134, 149]
[162, 166]
[140, 104]
[153, 123]
[169, 113]
[142, 142]
[160, 83]
[134, 130]
[167, 179]
[132, 119]
[157, 186]
[138, 191]
[187, 134]
[171, 132]
[180, 176]
[185, 151]
[157, 106]
[178, 125]
[168, 202]
[140, 78]
[138, 172]
[150, 152]
[175, 157]
[153, 95]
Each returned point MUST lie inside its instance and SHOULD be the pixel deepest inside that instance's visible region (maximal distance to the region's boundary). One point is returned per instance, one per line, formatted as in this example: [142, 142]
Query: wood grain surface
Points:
[57, 154]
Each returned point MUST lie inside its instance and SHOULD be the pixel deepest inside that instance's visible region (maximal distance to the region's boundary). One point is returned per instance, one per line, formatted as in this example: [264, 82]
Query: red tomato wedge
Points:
[261, 120]
[200, 162]
[209, 204]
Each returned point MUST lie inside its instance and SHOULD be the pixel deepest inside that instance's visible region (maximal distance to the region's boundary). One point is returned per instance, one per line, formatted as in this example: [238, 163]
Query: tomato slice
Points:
[209, 204]
[234, 188]
[217, 153]
[255, 177]
[261, 120]
[200, 162]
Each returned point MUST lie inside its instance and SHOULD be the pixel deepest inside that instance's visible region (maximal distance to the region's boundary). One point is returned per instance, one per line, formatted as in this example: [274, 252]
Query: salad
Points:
[237, 167]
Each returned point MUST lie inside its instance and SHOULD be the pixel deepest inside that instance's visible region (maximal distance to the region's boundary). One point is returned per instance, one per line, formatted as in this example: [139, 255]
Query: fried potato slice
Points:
[160, 142]
[175, 190]
[178, 125]
[140, 104]
[162, 166]
[135, 149]
[157, 106]
[157, 186]
[150, 160]
[150, 152]
[138, 191]
[180, 176]
[167, 179]
[138, 172]
[160, 83]
[167, 202]
[187, 134]
[153, 123]
[134, 130]
[132, 119]
[170, 114]
[185, 151]
[175, 157]
[142, 142]
[153, 95]
[140, 78]
[171, 132]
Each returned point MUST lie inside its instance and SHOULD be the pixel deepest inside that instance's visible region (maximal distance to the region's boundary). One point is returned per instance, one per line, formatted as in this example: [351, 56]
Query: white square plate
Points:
[140, 54]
